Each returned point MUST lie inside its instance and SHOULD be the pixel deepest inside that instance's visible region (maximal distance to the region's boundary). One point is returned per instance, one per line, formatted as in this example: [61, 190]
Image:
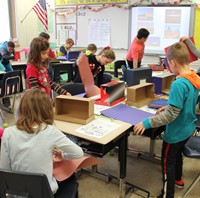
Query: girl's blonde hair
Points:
[38, 45]
[179, 53]
[108, 53]
[35, 108]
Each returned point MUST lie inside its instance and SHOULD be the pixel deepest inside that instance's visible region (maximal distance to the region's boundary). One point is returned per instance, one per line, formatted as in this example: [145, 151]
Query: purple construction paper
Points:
[126, 114]
[61, 58]
[81, 95]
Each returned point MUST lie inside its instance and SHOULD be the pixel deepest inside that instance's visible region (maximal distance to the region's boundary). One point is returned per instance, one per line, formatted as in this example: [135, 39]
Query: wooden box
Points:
[163, 82]
[140, 95]
[74, 109]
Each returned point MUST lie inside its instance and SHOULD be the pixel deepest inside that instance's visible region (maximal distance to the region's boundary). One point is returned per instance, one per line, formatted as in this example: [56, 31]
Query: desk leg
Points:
[122, 158]
[122, 188]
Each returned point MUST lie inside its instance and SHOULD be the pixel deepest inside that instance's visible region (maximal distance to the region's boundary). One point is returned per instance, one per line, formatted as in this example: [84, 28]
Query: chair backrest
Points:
[124, 72]
[117, 65]
[23, 184]
[192, 147]
[60, 68]
[11, 83]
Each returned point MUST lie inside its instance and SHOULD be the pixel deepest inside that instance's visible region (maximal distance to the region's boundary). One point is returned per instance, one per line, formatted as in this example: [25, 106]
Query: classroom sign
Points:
[87, 2]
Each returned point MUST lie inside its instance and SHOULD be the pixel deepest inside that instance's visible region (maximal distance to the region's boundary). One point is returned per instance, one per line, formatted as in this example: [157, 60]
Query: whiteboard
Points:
[118, 18]
[166, 24]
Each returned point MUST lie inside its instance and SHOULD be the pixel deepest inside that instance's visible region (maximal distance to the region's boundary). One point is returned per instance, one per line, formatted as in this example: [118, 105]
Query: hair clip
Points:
[107, 47]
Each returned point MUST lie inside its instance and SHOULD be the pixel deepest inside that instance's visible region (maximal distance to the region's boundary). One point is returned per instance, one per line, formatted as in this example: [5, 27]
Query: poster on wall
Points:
[65, 31]
[66, 26]
[99, 31]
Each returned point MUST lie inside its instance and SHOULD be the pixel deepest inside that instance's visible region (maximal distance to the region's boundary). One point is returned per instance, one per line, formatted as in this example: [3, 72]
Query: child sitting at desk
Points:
[36, 71]
[179, 117]
[29, 146]
[97, 64]
[91, 49]
[47, 37]
[7, 51]
[64, 49]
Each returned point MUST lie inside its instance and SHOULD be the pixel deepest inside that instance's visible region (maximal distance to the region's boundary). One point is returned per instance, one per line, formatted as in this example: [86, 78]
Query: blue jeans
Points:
[8, 67]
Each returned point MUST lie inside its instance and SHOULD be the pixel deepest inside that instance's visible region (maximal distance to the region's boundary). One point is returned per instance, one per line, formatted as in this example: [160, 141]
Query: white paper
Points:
[99, 32]
[98, 128]
[99, 108]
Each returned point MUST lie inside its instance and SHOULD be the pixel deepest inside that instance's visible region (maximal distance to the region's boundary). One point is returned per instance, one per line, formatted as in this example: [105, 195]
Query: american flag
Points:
[41, 11]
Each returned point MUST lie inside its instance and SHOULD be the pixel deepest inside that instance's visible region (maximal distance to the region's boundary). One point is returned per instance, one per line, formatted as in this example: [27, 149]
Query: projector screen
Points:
[166, 25]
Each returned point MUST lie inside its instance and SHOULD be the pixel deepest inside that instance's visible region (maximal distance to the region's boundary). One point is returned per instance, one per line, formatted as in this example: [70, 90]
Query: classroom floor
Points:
[140, 172]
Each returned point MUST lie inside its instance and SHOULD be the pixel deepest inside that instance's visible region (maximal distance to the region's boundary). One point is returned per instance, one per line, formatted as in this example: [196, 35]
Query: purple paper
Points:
[61, 58]
[81, 95]
[127, 114]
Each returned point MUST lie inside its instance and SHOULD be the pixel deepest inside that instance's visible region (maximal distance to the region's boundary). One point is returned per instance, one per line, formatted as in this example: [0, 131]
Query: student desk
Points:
[20, 65]
[100, 146]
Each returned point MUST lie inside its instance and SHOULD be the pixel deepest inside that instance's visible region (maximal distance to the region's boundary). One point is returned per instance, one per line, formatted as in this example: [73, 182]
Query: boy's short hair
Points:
[70, 40]
[179, 53]
[92, 47]
[44, 35]
[143, 33]
[11, 44]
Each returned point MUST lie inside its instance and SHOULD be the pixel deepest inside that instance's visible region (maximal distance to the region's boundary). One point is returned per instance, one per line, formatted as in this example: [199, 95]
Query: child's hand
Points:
[68, 94]
[139, 129]
[184, 38]
[57, 156]
[161, 109]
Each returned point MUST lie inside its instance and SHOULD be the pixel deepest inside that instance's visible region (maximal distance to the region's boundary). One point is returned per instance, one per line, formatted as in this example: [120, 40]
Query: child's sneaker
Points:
[179, 183]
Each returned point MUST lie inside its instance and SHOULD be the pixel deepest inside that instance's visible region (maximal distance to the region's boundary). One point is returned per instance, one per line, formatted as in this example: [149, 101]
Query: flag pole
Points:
[26, 15]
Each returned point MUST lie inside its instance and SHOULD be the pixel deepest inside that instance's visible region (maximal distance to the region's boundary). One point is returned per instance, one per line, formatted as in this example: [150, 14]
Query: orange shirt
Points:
[136, 50]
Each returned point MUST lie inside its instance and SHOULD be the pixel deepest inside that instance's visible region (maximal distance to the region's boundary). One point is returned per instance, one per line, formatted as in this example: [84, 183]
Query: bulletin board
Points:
[197, 28]
[84, 24]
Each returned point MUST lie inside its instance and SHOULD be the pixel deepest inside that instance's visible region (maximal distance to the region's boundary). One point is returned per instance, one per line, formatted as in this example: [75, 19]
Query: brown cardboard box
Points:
[163, 82]
[74, 109]
[140, 95]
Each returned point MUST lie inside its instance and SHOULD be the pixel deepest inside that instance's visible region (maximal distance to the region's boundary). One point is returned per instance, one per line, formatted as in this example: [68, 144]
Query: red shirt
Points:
[51, 53]
[136, 50]
[41, 75]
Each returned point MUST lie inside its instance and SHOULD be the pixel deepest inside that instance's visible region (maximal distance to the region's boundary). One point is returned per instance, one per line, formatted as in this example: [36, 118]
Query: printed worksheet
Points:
[99, 128]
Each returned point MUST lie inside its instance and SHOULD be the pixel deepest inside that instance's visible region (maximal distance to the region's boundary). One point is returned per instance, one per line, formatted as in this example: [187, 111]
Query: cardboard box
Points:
[138, 76]
[163, 82]
[111, 93]
[74, 109]
[140, 95]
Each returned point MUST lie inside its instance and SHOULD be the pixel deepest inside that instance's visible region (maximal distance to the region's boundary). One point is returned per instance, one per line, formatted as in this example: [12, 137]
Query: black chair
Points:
[74, 88]
[117, 65]
[107, 77]
[153, 134]
[124, 69]
[10, 84]
[61, 68]
[192, 150]
[34, 185]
